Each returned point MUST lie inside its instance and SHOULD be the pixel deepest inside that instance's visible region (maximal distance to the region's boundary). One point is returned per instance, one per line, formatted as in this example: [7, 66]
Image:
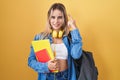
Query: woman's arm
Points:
[76, 44]
[34, 64]
[76, 40]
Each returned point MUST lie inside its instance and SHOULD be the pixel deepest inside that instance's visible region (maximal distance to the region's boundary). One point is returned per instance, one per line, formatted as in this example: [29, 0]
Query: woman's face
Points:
[56, 19]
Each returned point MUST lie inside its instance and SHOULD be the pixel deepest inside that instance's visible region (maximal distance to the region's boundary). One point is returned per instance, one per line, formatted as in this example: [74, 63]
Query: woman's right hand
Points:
[52, 64]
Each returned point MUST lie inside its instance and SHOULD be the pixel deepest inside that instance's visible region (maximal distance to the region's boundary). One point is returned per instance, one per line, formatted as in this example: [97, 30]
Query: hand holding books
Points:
[53, 65]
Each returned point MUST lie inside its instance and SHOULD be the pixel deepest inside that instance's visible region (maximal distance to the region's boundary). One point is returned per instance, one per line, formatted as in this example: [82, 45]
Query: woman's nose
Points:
[55, 21]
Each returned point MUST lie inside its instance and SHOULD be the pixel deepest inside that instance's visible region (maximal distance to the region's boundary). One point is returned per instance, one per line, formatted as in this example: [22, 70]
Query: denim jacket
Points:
[74, 48]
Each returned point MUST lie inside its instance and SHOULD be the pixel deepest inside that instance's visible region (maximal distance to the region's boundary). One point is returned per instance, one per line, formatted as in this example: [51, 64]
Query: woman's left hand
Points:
[71, 23]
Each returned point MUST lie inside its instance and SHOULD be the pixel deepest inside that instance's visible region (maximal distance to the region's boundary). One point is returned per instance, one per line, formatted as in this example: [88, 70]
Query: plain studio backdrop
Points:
[97, 20]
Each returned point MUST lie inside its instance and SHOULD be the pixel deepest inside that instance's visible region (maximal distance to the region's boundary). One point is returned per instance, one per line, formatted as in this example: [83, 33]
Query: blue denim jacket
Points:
[74, 52]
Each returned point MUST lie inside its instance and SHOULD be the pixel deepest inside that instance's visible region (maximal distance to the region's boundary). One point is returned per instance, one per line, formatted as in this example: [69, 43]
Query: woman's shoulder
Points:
[41, 35]
[38, 36]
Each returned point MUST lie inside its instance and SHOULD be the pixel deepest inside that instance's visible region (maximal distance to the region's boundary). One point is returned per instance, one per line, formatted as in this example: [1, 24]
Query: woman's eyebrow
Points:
[52, 16]
[60, 16]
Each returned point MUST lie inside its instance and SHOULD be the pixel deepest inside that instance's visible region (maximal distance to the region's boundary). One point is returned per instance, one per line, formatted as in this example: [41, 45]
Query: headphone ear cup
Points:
[60, 34]
[54, 34]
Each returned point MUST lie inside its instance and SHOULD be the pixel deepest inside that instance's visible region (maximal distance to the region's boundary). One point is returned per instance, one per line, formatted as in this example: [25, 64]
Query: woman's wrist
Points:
[73, 28]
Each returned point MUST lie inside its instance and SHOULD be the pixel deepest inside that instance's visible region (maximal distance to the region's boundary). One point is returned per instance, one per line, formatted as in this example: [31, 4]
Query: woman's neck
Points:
[57, 40]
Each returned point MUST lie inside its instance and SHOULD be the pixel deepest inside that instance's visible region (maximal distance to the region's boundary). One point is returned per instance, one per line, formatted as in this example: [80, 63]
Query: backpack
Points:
[85, 67]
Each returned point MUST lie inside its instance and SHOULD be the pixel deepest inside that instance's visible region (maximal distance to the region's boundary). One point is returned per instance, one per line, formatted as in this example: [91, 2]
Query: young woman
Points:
[66, 49]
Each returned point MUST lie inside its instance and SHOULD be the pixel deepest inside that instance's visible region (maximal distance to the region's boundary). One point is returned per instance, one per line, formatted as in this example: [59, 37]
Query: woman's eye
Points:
[60, 17]
[53, 17]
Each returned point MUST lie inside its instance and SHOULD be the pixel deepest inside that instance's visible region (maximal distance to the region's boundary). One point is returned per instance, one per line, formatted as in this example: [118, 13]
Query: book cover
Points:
[41, 45]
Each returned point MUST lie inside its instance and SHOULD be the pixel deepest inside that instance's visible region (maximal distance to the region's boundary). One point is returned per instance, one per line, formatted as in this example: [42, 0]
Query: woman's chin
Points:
[56, 28]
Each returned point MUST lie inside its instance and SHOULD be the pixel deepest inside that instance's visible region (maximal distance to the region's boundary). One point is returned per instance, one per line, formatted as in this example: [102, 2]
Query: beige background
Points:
[97, 20]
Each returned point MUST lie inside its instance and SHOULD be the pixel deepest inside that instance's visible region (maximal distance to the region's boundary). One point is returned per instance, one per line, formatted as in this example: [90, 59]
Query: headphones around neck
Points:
[57, 34]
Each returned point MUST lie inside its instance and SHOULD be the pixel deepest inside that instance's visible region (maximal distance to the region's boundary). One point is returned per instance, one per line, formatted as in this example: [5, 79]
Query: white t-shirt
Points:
[61, 50]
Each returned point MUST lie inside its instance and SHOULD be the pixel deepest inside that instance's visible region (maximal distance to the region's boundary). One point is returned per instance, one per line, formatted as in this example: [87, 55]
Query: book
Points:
[42, 50]
[42, 55]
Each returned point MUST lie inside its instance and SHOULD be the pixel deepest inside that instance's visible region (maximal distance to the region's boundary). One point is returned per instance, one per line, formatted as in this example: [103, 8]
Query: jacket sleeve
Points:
[34, 64]
[76, 44]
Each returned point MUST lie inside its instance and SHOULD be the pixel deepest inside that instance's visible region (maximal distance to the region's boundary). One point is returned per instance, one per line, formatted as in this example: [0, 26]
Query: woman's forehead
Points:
[56, 12]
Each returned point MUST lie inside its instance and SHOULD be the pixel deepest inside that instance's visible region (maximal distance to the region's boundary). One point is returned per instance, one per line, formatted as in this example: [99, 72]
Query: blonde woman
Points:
[66, 50]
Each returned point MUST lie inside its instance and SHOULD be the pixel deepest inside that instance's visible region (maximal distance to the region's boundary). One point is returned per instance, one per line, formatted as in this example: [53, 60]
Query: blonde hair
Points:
[64, 27]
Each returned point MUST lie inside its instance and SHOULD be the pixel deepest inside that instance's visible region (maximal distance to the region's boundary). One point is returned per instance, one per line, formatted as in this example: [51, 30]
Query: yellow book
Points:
[43, 44]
